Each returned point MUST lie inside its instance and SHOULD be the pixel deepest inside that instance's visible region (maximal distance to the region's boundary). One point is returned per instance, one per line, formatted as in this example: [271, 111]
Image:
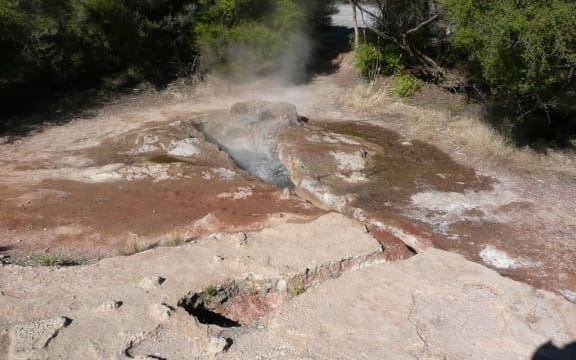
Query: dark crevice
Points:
[411, 249]
[195, 307]
[249, 301]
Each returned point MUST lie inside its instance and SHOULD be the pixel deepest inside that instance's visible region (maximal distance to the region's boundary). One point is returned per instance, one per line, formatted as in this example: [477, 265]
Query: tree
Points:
[522, 51]
[117, 43]
[355, 5]
[412, 26]
[69, 41]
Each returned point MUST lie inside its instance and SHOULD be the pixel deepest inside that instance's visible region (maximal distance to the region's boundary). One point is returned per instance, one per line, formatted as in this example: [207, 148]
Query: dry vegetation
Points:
[448, 122]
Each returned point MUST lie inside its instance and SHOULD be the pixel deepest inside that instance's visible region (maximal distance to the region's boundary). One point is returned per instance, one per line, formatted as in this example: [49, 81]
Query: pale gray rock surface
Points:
[435, 305]
[31, 294]
[31, 340]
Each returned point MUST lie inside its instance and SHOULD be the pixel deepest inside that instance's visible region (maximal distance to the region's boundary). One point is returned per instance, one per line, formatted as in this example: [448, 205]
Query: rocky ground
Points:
[268, 222]
[292, 291]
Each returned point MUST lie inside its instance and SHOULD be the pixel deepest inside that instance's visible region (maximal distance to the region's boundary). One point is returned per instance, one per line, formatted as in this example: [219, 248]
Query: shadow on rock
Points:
[549, 351]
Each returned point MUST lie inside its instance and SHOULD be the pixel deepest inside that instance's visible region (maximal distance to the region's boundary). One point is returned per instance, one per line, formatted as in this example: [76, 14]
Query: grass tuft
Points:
[209, 293]
[53, 260]
[133, 246]
[173, 242]
[297, 291]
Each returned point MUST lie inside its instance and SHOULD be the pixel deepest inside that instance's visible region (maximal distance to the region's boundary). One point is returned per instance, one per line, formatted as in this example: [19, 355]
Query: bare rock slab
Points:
[435, 305]
[411, 191]
[31, 340]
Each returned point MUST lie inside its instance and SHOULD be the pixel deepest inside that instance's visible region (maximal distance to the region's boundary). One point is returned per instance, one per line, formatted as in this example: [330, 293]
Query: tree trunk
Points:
[355, 20]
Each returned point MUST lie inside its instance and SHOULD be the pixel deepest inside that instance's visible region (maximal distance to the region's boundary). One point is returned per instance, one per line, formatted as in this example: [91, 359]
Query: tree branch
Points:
[427, 64]
[363, 10]
[424, 23]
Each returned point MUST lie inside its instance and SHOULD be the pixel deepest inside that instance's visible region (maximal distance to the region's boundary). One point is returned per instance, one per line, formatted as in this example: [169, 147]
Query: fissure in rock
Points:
[195, 306]
[249, 301]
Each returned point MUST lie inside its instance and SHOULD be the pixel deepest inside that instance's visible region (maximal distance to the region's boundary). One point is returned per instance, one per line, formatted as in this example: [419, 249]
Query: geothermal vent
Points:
[250, 134]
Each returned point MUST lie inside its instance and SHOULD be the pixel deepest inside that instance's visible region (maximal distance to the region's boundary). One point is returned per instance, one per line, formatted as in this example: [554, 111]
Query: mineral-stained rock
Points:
[30, 340]
[250, 134]
[436, 305]
[364, 172]
[433, 305]
[120, 190]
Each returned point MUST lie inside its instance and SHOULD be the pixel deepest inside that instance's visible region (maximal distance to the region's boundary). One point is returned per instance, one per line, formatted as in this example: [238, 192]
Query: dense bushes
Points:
[372, 59]
[519, 54]
[78, 41]
[522, 51]
[367, 59]
[405, 39]
[67, 43]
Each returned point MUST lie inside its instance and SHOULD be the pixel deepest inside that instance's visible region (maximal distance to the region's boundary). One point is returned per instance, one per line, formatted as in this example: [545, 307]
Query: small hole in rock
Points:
[229, 343]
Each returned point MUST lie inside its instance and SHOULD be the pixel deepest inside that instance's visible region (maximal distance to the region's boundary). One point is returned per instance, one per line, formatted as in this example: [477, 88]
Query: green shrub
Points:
[111, 44]
[367, 59]
[523, 51]
[371, 61]
[297, 291]
[391, 60]
[67, 42]
[413, 27]
[176, 241]
[128, 77]
[250, 48]
[209, 293]
[405, 85]
[318, 12]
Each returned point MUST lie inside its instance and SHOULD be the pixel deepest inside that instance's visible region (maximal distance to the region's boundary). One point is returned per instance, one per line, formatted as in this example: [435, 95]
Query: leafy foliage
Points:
[411, 28]
[367, 60]
[405, 85]
[209, 293]
[318, 12]
[372, 60]
[116, 43]
[79, 40]
[523, 51]
[399, 16]
[519, 54]
[391, 60]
